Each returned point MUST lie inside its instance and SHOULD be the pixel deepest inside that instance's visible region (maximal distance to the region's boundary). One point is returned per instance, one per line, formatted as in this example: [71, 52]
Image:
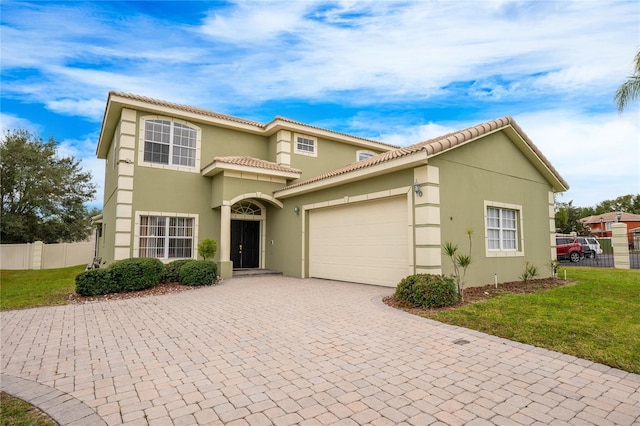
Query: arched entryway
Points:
[247, 234]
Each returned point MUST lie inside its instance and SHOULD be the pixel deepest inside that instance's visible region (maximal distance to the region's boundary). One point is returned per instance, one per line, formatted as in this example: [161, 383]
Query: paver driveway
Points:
[274, 350]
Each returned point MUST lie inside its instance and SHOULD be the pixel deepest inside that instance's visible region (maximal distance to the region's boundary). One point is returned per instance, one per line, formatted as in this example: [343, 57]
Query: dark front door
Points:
[245, 243]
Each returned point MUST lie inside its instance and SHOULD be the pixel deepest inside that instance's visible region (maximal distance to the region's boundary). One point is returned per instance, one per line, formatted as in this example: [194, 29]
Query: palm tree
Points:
[630, 89]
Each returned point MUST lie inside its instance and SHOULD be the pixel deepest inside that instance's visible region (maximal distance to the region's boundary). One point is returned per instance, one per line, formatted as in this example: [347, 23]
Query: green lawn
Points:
[28, 289]
[598, 318]
[15, 412]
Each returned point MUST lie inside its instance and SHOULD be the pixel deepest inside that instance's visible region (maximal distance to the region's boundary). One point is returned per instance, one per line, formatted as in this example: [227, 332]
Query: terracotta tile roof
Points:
[436, 146]
[201, 111]
[253, 162]
[288, 120]
[185, 108]
[611, 217]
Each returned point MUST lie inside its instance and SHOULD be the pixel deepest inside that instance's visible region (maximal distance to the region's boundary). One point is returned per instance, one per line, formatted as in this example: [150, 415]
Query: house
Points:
[635, 237]
[311, 202]
[600, 224]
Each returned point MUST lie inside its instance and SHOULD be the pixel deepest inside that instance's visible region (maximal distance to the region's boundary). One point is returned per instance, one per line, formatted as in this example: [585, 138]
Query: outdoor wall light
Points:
[618, 216]
[416, 189]
[296, 210]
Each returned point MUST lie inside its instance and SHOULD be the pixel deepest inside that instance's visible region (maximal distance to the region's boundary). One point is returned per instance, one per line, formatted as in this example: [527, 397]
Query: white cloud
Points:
[90, 108]
[412, 135]
[255, 21]
[414, 49]
[597, 154]
[254, 51]
[10, 122]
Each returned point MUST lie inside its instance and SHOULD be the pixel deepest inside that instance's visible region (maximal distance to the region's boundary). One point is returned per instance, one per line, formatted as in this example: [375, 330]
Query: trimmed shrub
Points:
[95, 282]
[198, 272]
[172, 270]
[137, 273]
[427, 291]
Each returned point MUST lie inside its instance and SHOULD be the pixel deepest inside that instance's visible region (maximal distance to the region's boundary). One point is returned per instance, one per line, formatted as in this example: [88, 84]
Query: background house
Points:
[600, 224]
[310, 202]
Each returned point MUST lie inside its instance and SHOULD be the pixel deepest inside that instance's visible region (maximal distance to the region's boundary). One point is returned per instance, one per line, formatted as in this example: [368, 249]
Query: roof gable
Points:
[434, 147]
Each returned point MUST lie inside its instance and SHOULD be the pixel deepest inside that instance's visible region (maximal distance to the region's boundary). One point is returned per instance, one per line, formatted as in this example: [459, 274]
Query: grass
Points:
[29, 289]
[597, 318]
[15, 412]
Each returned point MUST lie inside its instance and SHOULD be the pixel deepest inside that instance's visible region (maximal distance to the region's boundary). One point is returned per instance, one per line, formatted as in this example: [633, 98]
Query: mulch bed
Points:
[478, 294]
[162, 288]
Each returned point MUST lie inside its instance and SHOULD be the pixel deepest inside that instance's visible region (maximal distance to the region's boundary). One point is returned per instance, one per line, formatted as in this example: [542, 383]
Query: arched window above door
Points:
[246, 208]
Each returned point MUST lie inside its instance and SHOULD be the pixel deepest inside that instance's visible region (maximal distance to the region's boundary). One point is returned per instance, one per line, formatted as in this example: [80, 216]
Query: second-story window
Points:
[168, 142]
[363, 155]
[306, 145]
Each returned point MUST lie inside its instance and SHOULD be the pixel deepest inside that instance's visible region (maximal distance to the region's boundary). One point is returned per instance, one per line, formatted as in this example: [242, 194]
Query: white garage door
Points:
[363, 242]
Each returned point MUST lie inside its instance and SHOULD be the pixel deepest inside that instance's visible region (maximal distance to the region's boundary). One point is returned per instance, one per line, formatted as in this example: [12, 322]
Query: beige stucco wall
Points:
[106, 244]
[221, 142]
[331, 155]
[493, 169]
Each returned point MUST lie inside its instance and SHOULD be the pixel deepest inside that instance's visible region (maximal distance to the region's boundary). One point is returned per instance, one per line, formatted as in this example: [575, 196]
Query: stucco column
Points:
[225, 266]
[620, 244]
[428, 253]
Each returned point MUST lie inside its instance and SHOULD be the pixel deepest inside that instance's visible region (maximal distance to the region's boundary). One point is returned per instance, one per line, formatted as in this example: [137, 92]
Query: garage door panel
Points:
[364, 242]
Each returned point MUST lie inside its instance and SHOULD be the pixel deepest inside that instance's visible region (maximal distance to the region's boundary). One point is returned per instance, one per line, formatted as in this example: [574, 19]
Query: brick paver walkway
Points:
[274, 350]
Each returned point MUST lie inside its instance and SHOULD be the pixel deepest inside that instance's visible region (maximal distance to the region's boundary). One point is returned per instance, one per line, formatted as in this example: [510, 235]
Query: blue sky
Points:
[396, 71]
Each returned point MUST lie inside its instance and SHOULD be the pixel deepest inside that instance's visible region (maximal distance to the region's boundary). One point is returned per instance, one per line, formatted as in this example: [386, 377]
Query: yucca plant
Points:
[460, 262]
[530, 272]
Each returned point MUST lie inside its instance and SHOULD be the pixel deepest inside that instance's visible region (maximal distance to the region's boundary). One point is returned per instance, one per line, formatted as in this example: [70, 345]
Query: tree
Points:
[207, 248]
[568, 218]
[43, 195]
[630, 89]
[625, 203]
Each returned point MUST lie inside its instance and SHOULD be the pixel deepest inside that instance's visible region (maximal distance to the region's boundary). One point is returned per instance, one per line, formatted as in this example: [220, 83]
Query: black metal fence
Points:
[605, 260]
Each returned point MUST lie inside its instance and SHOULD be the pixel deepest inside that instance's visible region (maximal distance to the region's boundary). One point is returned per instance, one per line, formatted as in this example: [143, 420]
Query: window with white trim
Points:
[305, 145]
[502, 229]
[169, 142]
[166, 237]
[363, 155]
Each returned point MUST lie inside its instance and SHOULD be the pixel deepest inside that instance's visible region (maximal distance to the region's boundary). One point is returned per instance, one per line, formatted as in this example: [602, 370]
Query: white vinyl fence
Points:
[46, 256]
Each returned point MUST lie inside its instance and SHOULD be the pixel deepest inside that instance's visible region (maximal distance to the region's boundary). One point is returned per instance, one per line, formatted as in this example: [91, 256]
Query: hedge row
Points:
[142, 273]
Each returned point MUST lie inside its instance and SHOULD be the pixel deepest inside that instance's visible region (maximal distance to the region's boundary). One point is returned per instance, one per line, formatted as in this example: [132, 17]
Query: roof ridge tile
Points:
[186, 108]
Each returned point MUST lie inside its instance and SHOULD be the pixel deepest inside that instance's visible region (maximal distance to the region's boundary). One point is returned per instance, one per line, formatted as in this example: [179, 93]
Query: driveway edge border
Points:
[60, 406]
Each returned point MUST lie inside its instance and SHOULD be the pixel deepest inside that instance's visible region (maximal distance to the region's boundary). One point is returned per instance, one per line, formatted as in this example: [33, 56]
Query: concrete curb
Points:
[60, 406]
